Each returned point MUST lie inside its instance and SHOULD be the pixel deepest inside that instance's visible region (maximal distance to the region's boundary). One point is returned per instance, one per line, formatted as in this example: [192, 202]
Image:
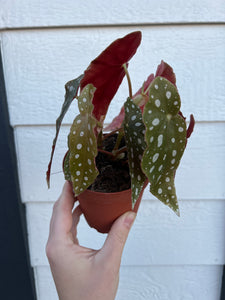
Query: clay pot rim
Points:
[113, 193]
[100, 197]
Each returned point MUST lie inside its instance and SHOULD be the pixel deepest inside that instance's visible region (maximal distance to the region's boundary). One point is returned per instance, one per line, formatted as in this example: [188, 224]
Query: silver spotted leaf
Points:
[166, 139]
[166, 183]
[66, 166]
[71, 92]
[134, 130]
[83, 144]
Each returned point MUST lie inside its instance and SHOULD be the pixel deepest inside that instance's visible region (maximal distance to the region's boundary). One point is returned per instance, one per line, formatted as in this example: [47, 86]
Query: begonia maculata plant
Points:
[150, 123]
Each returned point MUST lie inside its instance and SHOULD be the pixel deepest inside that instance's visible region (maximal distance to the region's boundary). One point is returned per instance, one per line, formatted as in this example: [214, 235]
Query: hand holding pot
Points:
[79, 272]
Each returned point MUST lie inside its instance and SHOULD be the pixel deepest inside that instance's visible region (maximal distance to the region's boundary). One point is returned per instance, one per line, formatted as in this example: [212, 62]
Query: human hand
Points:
[81, 273]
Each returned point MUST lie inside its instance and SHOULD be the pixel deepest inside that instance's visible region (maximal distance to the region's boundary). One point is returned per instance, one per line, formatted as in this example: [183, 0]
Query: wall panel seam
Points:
[96, 26]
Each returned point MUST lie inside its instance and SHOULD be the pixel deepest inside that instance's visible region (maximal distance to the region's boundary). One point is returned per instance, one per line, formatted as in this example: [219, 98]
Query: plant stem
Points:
[121, 150]
[118, 140]
[111, 133]
[128, 80]
[106, 152]
[147, 90]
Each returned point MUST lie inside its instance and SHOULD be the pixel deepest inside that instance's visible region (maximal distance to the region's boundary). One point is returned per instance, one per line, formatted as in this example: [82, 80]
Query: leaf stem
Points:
[147, 90]
[105, 136]
[121, 150]
[106, 152]
[128, 80]
[118, 140]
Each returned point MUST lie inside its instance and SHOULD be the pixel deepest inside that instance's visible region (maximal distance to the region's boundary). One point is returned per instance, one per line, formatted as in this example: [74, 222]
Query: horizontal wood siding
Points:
[153, 283]
[158, 237]
[41, 13]
[45, 44]
[44, 60]
[200, 175]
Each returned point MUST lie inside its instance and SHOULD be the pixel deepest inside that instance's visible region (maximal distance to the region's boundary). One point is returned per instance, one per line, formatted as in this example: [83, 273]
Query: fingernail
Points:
[130, 217]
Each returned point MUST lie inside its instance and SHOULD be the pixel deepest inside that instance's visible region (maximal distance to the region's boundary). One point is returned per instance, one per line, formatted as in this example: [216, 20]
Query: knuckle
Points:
[51, 250]
[55, 206]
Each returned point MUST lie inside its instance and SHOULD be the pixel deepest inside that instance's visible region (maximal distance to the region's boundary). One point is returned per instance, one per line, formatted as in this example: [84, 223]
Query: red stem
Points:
[111, 133]
[106, 152]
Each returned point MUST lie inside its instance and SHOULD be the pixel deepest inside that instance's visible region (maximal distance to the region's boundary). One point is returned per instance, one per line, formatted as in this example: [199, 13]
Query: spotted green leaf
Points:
[134, 130]
[166, 139]
[83, 144]
[66, 166]
[165, 191]
[71, 92]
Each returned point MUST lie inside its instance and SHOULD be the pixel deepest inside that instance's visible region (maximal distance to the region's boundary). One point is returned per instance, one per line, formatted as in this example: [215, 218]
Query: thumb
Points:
[113, 247]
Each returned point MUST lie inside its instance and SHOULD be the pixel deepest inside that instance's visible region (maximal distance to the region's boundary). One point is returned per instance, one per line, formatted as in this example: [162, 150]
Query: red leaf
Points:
[117, 121]
[106, 72]
[165, 70]
[191, 126]
[146, 84]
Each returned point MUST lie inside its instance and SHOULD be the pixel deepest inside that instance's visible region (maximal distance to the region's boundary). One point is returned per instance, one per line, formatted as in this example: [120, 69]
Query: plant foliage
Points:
[150, 121]
[106, 72]
[71, 92]
[134, 130]
[83, 144]
[166, 139]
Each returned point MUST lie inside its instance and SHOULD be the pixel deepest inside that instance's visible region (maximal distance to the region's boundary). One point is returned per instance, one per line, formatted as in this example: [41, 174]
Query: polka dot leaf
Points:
[134, 130]
[165, 191]
[166, 139]
[82, 143]
[66, 166]
[71, 92]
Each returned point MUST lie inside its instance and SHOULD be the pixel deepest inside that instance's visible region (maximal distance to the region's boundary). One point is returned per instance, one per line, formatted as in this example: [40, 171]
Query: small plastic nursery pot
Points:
[102, 209]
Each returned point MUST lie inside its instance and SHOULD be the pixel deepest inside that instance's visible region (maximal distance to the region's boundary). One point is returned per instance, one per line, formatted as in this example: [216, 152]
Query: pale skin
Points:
[79, 272]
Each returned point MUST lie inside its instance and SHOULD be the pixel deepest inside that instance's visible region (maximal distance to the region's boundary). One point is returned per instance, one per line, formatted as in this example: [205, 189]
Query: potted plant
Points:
[110, 167]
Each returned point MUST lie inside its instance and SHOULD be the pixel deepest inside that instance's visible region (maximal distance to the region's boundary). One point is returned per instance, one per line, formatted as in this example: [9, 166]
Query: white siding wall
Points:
[45, 44]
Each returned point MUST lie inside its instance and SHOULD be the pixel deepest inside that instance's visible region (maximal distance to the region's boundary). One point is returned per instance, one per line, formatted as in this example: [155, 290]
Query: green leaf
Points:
[166, 139]
[83, 144]
[66, 166]
[165, 191]
[71, 92]
[134, 130]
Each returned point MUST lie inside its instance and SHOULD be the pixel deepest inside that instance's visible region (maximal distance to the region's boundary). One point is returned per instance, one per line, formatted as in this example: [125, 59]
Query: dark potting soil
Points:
[113, 174]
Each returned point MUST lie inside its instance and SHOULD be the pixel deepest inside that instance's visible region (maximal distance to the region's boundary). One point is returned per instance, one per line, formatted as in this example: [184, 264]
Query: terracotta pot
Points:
[102, 209]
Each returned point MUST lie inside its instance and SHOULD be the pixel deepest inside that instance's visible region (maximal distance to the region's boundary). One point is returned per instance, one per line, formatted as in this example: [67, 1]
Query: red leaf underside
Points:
[106, 71]
[163, 70]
